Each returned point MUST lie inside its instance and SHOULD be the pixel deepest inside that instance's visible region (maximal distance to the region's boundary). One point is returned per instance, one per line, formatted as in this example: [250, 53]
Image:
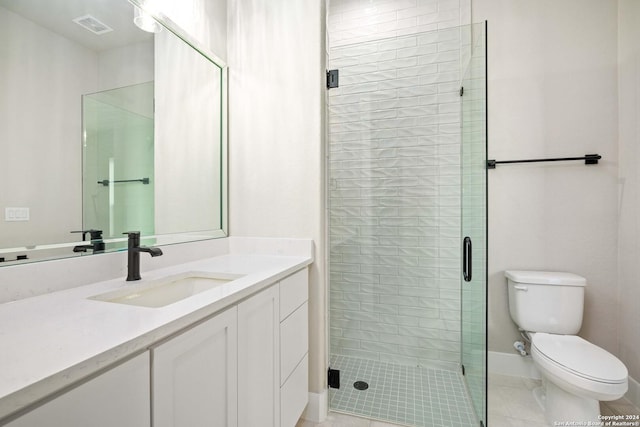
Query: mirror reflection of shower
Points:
[118, 160]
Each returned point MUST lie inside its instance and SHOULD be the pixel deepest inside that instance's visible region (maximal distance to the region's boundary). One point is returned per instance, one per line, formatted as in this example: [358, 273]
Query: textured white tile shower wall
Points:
[394, 141]
[352, 21]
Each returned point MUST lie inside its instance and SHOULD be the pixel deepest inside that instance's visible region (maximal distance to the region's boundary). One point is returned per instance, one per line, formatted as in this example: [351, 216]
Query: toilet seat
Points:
[580, 366]
[581, 357]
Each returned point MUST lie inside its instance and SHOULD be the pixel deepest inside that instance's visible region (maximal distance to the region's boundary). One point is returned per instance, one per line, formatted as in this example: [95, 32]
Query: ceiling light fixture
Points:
[144, 21]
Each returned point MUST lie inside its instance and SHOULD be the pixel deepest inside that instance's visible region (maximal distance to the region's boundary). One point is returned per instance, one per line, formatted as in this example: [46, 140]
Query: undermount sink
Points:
[162, 292]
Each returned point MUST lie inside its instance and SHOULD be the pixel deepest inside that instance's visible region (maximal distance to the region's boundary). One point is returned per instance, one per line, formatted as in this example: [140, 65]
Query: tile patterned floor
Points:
[619, 407]
[511, 403]
[343, 420]
[407, 395]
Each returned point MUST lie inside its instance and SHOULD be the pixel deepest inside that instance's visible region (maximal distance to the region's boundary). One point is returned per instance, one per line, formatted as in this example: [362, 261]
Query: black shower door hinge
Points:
[332, 79]
[461, 90]
[462, 369]
[333, 378]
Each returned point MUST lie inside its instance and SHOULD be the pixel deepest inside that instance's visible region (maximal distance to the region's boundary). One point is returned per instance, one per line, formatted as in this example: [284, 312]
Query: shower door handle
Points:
[466, 259]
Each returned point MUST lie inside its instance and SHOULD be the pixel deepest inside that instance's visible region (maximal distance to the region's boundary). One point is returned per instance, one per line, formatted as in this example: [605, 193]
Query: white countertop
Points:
[51, 341]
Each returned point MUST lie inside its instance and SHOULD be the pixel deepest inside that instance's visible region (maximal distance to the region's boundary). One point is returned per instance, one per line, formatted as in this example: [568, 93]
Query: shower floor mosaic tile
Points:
[407, 395]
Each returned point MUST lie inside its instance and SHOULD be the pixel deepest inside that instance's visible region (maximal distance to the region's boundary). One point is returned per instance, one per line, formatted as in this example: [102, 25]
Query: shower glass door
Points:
[474, 218]
[118, 160]
[395, 220]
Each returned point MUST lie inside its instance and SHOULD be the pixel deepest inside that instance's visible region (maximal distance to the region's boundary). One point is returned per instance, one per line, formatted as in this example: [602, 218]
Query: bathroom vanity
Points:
[233, 354]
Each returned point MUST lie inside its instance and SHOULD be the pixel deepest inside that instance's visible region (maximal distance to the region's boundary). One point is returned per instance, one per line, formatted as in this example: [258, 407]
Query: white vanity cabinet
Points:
[294, 347]
[194, 375]
[273, 354]
[246, 366]
[119, 397]
[258, 360]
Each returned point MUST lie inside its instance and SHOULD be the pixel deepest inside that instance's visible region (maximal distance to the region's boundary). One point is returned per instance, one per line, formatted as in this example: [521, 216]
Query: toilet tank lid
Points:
[545, 277]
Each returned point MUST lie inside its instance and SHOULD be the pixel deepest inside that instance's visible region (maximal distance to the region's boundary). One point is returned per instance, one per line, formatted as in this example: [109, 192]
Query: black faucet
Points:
[97, 245]
[134, 249]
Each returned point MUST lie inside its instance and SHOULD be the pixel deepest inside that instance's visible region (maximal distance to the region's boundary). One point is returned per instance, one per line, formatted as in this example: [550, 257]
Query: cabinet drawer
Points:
[294, 341]
[294, 394]
[294, 290]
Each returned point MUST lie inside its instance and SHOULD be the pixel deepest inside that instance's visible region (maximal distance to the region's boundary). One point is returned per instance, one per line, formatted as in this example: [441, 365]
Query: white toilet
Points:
[576, 374]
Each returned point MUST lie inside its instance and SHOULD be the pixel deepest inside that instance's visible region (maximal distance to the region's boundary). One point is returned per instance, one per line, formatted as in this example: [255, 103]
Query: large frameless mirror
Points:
[107, 126]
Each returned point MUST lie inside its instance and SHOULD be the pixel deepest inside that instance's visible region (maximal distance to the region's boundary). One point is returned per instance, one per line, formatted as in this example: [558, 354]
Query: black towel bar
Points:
[589, 159]
[106, 182]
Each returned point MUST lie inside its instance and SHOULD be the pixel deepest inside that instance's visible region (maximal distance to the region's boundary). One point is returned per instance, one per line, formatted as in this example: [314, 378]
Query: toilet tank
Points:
[544, 301]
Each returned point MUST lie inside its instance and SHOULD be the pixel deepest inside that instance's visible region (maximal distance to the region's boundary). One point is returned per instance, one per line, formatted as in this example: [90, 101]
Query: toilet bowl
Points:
[576, 373]
[579, 367]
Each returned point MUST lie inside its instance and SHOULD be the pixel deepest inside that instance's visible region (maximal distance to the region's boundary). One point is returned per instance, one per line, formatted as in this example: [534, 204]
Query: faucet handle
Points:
[134, 239]
[95, 234]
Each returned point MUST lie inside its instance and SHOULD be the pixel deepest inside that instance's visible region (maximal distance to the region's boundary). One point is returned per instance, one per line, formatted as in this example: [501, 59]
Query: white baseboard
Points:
[518, 366]
[317, 408]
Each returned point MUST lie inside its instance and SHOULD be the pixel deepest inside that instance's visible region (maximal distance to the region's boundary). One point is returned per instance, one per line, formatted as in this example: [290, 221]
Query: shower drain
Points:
[360, 385]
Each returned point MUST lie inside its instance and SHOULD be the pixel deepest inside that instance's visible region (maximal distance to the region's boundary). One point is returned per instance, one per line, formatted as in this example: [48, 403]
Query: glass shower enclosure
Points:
[474, 220]
[407, 185]
[118, 160]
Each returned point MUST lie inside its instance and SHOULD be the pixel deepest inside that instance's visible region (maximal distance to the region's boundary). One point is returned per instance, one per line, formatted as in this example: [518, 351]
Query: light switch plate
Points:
[16, 214]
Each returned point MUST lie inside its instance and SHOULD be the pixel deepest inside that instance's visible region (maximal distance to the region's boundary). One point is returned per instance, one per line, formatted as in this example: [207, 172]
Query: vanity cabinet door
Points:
[119, 397]
[259, 360]
[194, 376]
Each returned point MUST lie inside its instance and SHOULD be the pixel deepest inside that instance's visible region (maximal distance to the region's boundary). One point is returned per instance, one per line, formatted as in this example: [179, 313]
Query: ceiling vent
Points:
[92, 24]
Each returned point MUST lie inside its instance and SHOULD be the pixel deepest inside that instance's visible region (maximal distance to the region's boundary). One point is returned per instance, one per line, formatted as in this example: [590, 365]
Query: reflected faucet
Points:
[134, 249]
[97, 245]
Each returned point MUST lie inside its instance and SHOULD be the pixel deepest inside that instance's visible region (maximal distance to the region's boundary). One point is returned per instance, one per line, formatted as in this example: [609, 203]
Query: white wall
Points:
[629, 227]
[276, 174]
[205, 20]
[125, 66]
[553, 93]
